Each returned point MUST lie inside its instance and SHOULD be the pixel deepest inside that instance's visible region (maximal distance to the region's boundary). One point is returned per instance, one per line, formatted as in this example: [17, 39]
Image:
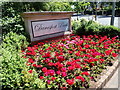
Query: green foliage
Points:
[109, 31]
[11, 14]
[84, 27]
[59, 6]
[31, 80]
[13, 68]
[80, 6]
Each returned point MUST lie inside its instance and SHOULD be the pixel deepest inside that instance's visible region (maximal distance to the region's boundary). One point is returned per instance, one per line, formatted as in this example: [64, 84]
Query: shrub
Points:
[84, 27]
[110, 31]
[14, 72]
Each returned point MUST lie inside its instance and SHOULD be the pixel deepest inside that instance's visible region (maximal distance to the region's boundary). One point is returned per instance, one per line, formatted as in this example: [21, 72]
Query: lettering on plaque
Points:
[45, 27]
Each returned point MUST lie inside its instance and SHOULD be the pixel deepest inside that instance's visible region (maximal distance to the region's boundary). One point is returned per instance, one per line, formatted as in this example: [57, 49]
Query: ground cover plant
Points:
[73, 61]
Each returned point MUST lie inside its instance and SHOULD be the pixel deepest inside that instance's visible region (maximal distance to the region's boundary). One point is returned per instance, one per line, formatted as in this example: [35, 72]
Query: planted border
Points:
[71, 62]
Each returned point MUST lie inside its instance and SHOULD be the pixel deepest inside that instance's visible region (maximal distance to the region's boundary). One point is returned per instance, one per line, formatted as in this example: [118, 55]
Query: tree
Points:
[80, 6]
[11, 14]
[59, 6]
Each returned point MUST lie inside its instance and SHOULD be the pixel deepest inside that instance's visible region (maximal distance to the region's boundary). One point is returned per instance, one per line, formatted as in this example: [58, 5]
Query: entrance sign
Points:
[45, 25]
[40, 28]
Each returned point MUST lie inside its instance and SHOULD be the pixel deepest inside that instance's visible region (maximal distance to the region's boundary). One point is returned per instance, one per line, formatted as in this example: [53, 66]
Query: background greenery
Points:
[11, 11]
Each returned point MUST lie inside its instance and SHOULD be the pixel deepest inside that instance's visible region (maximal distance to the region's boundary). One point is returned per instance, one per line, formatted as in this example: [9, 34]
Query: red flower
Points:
[78, 60]
[92, 64]
[46, 74]
[80, 77]
[48, 81]
[30, 71]
[44, 69]
[56, 54]
[91, 77]
[94, 43]
[71, 68]
[94, 59]
[47, 55]
[63, 69]
[51, 64]
[64, 74]
[108, 52]
[69, 63]
[70, 82]
[60, 58]
[34, 65]
[61, 53]
[58, 72]
[72, 34]
[114, 54]
[39, 66]
[47, 60]
[85, 73]
[51, 72]
[24, 56]
[77, 66]
[63, 88]
[30, 60]
[30, 49]
[77, 54]
[86, 46]
[41, 77]
[102, 55]
[60, 65]
[102, 60]
[33, 53]
[70, 52]
[53, 78]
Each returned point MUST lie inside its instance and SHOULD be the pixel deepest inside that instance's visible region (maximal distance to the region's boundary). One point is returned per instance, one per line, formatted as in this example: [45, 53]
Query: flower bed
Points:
[73, 61]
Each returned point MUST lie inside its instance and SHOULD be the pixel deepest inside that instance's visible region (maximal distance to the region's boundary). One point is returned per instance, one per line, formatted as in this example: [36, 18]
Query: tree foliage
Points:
[80, 6]
[59, 6]
[11, 14]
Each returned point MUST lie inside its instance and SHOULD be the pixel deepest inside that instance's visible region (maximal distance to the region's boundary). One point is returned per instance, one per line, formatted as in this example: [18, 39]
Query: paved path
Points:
[113, 82]
[105, 20]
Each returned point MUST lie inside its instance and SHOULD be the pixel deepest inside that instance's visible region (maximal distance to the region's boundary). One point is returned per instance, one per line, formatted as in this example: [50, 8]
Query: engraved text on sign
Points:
[41, 28]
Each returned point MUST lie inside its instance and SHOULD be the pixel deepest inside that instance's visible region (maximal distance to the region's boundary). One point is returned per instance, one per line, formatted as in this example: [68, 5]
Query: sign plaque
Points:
[45, 25]
[48, 27]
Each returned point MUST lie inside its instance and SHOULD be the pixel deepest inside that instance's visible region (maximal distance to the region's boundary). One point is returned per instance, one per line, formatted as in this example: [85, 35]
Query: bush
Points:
[110, 31]
[14, 72]
[84, 27]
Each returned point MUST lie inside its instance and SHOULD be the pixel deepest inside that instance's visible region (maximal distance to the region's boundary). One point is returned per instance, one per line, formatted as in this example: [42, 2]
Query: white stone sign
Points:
[45, 27]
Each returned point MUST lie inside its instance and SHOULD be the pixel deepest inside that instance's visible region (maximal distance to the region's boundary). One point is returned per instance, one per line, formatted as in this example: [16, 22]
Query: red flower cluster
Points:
[72, 59]
[70, 82]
